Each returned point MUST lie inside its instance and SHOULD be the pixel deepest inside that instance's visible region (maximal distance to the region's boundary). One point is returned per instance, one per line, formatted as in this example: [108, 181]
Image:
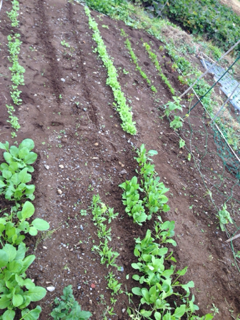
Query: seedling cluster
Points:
[101, 215]
[121, 105]
[17, 291]
[154, 191]
[17, 71]
[67, 307]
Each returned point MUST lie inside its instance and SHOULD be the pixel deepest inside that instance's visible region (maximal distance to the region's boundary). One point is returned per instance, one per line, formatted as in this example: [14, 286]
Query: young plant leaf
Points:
[40, 224]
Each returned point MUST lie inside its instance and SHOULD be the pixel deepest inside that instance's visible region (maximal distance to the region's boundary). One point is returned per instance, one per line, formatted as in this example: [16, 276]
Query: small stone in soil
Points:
[46, 167]
[50, 289]
[59, 191]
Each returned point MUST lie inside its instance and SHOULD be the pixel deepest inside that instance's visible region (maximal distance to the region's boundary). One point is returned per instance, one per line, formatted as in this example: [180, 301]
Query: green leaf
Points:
[137, 291]
[3, 259]
[27, 143]
[4, 301]
[6, 174]
[8, 157]
[186, 287]
[14, 151]
[31, 314]
[10, 251]
[157, 315]
[27, 210]
[19, 280]
[136, 277]
[4, 146]
[14, 266]
[23, 176]
[23, 152]
[21, 251]
[8, 315]
[27, 262]
[145, 313]
[33, 231]
[2, 184]
[179, 312]
[36, 293]
[29, 284]
[30, 158]
[152, 153]
[17, 300]
[40, 224]
[182, 272]
[15, 179]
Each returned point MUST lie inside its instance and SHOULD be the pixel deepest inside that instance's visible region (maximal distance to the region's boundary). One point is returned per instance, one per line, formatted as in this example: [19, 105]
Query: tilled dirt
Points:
[68, 111]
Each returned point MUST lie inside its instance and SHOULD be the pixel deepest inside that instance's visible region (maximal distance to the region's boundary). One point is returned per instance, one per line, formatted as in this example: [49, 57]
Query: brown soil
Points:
[68, 111]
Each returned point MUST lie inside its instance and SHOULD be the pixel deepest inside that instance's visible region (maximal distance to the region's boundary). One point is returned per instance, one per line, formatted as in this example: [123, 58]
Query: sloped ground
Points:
[234, 4]
[68, 111]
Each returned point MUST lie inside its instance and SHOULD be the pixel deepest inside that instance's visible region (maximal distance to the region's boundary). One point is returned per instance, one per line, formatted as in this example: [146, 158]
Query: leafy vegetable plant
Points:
[16, 290]
[15, 176]
[158, 283]
[11, 232]
[67, 308]
[124, 111]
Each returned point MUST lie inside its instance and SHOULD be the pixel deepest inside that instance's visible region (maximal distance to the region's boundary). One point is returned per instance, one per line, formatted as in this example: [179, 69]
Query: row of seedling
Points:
[102, 215]
[18, 291]
[120, 101]
[154, 59]
[135, 60]
[153, 190]
[17, 71]
[157, 283]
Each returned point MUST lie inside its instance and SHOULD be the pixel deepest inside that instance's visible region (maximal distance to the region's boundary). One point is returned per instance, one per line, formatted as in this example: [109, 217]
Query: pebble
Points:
[123, 310]
[59, 191]
[51, 289]
[46, 167]
[123, 172]
[61, 166]
[44, 247]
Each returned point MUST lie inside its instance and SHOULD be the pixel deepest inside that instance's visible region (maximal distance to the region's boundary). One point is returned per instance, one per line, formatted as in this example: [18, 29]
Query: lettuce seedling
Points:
[17, 291]
[11, 232]
[15, 176]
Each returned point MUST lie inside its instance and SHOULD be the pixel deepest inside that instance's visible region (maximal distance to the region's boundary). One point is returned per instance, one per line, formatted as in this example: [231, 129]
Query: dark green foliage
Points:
[104, 6]
[209, 17]
[68, 308]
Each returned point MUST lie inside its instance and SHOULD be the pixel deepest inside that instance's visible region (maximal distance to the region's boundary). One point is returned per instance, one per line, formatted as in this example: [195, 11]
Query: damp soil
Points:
[68, 111]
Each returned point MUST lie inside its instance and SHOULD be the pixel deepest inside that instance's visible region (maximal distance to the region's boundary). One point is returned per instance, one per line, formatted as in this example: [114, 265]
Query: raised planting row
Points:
[135, 60]
[102, 216]
[18, 291]
[154, 59]
[158, 284]
[121, 105]
[17, 71]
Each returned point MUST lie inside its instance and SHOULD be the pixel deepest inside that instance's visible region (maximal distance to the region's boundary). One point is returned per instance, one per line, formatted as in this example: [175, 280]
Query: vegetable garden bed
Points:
[69, 112]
